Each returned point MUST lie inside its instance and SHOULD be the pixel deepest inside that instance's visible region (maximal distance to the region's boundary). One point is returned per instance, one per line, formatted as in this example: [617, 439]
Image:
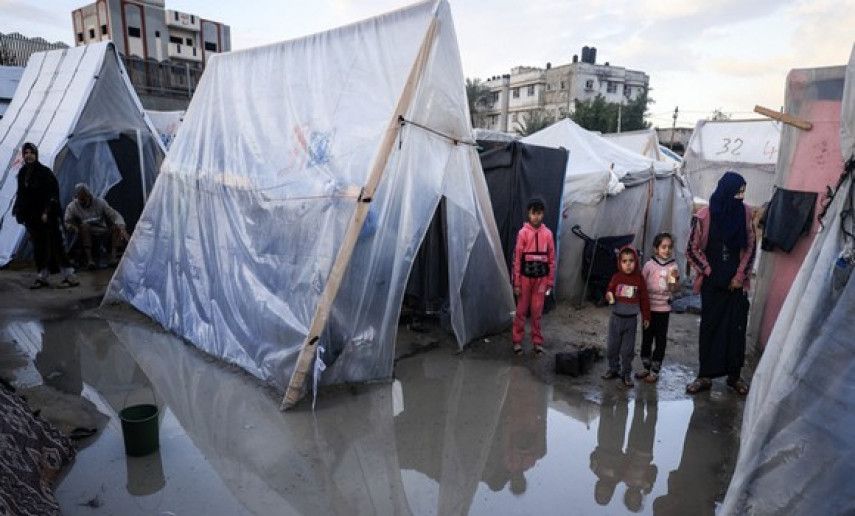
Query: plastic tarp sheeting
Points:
[749, 147]
[644, 142]
[803, 166]
[797, 454]
[166, 123]
[611, 191]
[72, 104]
[252, 203]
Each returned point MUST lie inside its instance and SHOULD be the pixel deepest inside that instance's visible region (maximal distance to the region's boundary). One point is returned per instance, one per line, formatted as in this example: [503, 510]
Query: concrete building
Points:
[146, 29]
[682, 135]
[553, 90]
[16, 49]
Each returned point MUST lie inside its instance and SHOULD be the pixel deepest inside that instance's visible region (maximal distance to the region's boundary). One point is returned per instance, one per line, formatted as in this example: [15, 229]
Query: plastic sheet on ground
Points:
[248, 214]
[797, 454]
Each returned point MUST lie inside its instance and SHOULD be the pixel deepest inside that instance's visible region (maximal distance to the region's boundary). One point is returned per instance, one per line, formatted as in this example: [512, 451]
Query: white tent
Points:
[612, 191]
[797, 452]
[79, 108]
[166, 123]
[749, 147]
[644, 142]
[270, 179]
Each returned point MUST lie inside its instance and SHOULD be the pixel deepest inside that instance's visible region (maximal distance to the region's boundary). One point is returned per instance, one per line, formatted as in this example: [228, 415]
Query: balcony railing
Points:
[167, 79]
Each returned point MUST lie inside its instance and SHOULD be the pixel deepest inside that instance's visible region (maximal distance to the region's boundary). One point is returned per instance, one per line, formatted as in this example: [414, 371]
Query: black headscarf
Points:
[727, 212]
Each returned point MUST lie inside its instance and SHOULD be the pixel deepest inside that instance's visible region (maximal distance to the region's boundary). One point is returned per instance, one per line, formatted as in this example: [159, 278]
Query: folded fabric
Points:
[788, 216]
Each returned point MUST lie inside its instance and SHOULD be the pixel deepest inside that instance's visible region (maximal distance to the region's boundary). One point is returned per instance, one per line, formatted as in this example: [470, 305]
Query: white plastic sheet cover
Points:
[71, 103]
[644, 142]
[797, 454]
[749, 147]
[166, 123]
[249, 211]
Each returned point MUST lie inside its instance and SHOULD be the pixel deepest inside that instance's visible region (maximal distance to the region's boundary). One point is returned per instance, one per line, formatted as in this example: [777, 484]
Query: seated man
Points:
[92, 219]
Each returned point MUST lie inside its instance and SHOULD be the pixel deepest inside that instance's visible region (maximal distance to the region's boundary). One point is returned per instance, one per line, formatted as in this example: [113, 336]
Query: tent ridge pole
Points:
[294, 392]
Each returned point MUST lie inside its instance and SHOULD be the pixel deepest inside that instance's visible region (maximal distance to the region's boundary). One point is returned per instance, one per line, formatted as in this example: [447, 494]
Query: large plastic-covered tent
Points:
[273, 165]
[797, 454]
[610, 191]
[78, 106]
[803, 170]
[749, 147]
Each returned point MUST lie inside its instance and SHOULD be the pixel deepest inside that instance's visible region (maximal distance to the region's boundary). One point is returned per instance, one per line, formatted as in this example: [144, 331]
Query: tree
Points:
[602, 116]
[718, 114]
[533, 121]
[477, 93]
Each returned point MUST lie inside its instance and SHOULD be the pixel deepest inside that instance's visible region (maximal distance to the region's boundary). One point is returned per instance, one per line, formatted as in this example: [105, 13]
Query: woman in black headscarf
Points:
[721, 250]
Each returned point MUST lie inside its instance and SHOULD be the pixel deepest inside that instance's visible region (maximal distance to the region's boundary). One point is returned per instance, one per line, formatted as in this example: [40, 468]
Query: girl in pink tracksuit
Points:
[533, 274]
[662, 276]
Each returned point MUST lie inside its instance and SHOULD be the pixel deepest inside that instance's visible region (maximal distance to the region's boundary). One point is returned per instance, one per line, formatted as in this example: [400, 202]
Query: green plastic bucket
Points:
[139, 429]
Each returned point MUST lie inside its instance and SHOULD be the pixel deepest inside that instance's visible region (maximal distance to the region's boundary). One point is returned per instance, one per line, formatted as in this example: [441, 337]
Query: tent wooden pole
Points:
[304, 361]
[783, 117]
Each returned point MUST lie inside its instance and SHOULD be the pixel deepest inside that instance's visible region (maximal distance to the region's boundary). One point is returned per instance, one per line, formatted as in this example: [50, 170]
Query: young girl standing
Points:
[662, 277]
[533, 275]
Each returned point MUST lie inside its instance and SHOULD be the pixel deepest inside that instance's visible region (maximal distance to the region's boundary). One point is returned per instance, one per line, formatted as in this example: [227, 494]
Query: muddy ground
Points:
[479, 431]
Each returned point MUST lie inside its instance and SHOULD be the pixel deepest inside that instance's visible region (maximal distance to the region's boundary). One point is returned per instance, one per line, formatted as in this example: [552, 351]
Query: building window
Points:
[189, 42]
[194, 51]
[91, 33]
[494, 97]
[80, 37]
[627, 90]
[157, 34]
[589, 84]
[531, 90]
[103, 30]
[192, 19]
[176, 40]
[516, 94]
[175, 13]
[134, 32]
[548, 87]
[513, 117]
[210, 46]
[562, 85]
[611, 87]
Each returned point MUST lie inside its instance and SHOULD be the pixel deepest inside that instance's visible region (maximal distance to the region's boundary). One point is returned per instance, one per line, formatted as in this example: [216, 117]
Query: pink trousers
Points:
[530, 303]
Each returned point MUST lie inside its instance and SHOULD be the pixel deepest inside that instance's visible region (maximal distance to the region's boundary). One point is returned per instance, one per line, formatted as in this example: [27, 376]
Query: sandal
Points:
[739, 386]
[517, 349]
[699, 385]
[39, 283]
[68, 283]
[538, 350]
[628, 383]
[653, 377]
[610, 375]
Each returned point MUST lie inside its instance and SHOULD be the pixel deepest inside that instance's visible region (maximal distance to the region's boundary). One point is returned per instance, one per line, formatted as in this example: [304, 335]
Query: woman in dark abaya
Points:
[721, 250]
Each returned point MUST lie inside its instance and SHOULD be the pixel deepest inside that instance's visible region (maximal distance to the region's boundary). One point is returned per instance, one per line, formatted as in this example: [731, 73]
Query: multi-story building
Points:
[16, 49]
[146, 29]
[553, 90]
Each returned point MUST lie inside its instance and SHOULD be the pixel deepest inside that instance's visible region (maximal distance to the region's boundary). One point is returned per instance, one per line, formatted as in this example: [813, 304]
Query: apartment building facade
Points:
[16, 49]
[553, 90]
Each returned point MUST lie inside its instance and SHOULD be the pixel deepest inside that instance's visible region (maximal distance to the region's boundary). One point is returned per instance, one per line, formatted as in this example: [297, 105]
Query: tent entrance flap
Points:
[427, 287]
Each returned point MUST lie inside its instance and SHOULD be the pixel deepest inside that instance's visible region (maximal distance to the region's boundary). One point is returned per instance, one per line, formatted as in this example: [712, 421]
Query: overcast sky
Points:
[700, 55]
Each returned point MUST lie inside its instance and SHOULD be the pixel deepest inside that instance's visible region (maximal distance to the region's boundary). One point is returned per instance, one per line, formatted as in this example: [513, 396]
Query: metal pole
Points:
[674, 126]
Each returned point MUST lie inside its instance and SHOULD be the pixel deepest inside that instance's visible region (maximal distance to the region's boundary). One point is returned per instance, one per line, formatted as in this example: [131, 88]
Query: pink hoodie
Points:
[532, 240]
[656, 275]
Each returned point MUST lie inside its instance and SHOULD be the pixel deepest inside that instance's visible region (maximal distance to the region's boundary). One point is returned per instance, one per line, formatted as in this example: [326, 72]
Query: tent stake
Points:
[301, 370]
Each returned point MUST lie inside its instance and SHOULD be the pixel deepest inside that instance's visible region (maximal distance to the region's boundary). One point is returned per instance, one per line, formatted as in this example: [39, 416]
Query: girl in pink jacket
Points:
[662, 277]
[533, 275]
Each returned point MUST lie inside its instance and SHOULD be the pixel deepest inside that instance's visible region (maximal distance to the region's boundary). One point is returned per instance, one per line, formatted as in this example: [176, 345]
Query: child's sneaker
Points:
[538, 350]
[611, 374]
[517, 349]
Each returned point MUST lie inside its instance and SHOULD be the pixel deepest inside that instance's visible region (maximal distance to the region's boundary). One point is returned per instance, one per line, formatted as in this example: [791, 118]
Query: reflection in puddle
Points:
[452, 435]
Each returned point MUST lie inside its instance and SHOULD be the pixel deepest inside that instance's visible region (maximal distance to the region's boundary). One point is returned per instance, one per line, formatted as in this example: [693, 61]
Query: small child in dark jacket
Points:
[627, 293]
